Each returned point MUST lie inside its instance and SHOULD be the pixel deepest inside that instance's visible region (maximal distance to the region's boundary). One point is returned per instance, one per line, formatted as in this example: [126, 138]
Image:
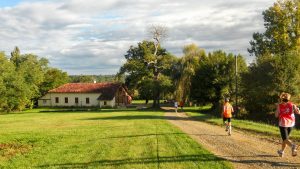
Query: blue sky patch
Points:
[8, 3]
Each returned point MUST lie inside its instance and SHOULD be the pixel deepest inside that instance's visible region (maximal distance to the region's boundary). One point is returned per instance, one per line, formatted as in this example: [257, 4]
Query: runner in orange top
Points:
[285, 113]
[227, 114]
[181, 103]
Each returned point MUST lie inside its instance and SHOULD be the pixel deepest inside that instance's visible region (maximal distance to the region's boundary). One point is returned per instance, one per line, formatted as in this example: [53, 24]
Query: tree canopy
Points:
[24, 78]
[282, 24]
[139, 73]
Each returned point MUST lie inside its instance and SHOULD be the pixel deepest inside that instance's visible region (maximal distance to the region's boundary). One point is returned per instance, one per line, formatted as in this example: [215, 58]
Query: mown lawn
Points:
[98, 139]
[201, 113]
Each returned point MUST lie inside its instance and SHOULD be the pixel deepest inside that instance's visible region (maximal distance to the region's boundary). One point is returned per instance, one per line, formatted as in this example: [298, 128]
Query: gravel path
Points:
[243, 149]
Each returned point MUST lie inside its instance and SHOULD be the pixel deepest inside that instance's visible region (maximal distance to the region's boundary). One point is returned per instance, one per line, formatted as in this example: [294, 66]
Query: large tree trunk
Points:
[156, 95]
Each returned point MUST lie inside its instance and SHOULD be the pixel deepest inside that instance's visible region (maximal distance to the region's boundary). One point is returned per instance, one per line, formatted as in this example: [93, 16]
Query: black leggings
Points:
[285, 132]
[226, 119]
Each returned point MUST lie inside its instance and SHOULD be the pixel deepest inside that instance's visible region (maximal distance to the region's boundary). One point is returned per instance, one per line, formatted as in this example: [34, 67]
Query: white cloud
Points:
[91, 36]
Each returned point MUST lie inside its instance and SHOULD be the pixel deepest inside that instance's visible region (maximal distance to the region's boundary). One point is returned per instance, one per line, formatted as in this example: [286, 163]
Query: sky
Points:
[91, 37]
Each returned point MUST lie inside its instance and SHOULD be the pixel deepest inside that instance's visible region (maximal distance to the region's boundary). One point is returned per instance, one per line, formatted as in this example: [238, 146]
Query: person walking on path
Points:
[227, 114]
[181, 104]
[285, 114]
[175, 105]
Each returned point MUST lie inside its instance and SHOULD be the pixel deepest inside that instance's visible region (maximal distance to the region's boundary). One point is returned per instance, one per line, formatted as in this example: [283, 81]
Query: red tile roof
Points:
[107, 90]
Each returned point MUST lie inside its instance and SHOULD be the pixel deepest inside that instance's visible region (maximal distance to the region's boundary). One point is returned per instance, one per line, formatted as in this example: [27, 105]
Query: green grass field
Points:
[259, 128]
[141, 101]
[99, 139]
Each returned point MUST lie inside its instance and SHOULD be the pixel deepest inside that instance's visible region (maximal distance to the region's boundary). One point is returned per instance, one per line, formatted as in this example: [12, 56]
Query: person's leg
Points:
[287, 132]
[290, 143]
[229, 122]
[225, 122]
[284, 136]
[229, 126]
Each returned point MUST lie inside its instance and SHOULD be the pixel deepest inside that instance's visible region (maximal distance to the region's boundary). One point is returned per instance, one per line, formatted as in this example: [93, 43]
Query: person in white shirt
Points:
[176, 106]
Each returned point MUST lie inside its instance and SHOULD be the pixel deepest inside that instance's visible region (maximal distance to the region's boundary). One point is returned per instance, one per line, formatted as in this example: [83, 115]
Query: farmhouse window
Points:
[66, 100]
[87, 100]
[105, 103]
[76, 100]
[44, 101]
[56, 100]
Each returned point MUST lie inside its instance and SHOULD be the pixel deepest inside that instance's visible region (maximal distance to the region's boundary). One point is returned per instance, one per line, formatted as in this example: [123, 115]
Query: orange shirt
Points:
[227, 110]
[181, 103]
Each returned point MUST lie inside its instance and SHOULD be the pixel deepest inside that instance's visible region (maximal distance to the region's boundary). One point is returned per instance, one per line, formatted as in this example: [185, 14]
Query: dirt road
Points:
[243, 149]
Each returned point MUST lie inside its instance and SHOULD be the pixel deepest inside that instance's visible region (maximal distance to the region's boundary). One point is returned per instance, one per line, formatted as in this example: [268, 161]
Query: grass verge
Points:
[99, 139]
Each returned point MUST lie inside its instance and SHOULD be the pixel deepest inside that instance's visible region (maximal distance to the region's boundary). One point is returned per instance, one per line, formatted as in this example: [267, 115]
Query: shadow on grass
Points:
[87, 111]
[145, 117]
[96, 110]
[171, 159]
[14, 113]
[136, 161]
[128, 117]
[143, 135]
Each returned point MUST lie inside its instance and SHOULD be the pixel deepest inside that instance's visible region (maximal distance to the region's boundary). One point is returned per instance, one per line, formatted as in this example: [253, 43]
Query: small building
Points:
[86, 95]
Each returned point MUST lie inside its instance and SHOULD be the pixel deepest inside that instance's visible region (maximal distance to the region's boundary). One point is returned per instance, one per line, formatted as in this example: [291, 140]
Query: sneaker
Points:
[280, 153]
[294, 150]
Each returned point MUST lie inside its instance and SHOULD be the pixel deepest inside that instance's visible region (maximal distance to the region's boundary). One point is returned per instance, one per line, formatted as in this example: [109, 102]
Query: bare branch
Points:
[158, 33]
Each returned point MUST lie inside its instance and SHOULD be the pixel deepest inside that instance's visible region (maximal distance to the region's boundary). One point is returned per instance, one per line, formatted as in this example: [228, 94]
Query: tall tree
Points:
[13, 90]
[53, 78]
[31, 69]
[23, 79]
[188, 65]
[215, 78]
[158, 34]
[282, 24]
[140, 68]
[16, 57]
[266, 79]
[277, 58]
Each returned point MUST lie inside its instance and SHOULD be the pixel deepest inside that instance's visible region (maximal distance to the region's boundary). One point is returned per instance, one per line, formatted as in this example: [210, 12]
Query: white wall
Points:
[49, 99]
[110, 103]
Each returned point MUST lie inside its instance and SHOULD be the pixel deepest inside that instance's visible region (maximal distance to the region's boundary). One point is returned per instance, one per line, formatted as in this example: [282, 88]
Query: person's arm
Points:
[296, 109]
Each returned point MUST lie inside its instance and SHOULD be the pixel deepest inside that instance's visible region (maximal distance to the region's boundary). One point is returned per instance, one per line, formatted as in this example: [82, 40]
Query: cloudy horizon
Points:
[91, 37]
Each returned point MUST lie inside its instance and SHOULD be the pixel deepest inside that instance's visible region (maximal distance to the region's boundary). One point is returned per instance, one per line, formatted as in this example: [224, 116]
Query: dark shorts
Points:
[228, 119]
[285, 132]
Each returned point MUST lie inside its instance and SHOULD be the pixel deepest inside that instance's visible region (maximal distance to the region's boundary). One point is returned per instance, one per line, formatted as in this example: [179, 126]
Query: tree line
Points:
[93, 78]
[24, 78]
[207, 78]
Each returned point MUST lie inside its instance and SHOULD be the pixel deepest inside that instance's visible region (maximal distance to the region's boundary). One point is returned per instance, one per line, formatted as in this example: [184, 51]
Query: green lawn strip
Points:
[201, 113]
[103, 139]
[141, 101]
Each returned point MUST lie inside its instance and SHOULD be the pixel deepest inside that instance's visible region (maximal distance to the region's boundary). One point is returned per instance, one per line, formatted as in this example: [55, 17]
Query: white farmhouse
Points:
[86, 95]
